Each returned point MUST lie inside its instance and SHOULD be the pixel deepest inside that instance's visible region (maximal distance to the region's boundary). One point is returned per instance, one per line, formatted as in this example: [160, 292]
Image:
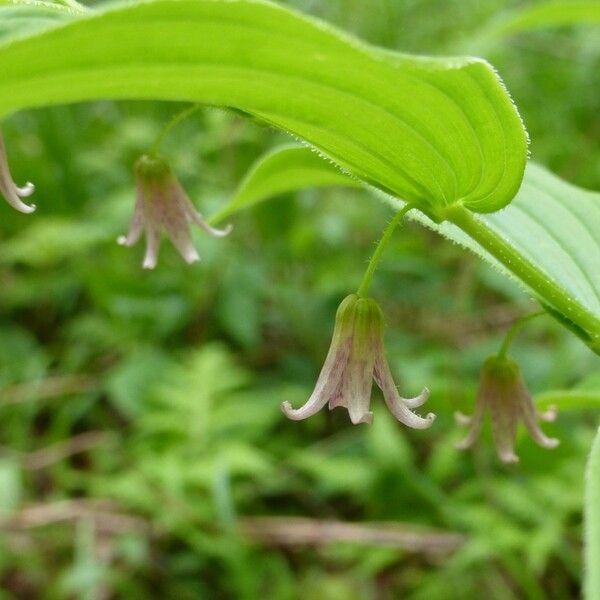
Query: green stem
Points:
[516, 327]
[166, 130]
[536, 280]
[363, 290]
[592, 523]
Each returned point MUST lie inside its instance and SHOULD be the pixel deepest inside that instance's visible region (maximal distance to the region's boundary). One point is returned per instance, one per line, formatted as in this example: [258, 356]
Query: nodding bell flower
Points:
[503, 391]
[356, 357]
[9, 189]
[161, 203]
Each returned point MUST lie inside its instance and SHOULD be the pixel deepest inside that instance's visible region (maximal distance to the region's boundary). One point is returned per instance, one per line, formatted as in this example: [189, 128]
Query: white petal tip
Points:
[191, 258]
[549, 415]
[362, 418]
[290, 412]
[463, 445]
[462, 419]
[26, 190]
[122, 241]
[509, 458]
[149, 264]
[551, 443]
[221, 232]
[27, 208]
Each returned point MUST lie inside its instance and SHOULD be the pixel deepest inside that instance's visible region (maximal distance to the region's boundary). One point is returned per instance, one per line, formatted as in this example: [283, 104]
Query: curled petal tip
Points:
[418, 400]
[291, 413]
[508, 458]
[363, 418]
[462, 419]
[26, 190]
[549, 414]
[149, 263]
[225, 231]
[550, 443]
[191, 256]
[463, 444]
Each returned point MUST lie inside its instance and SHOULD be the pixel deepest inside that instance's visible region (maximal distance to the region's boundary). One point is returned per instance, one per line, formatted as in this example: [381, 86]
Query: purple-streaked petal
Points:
[9, 189]
[137, 220]
[475, 422]
[330, 378]
[396, 404]
[529, 415]
[195, 217]
[505, 414]
[152, 246]
[174, 220]
[417, 400]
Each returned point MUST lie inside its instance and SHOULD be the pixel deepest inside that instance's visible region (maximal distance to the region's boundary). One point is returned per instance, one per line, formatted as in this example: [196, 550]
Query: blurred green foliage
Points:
[139, 412]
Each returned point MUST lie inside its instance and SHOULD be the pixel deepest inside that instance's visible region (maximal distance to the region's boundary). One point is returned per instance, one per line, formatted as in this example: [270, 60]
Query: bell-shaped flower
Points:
[357, 357]
[503, 392]
[9, 189]
[161, 203]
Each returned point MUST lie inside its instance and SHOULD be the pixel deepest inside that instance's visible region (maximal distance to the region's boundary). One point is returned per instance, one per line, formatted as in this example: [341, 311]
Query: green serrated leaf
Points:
[433, 131]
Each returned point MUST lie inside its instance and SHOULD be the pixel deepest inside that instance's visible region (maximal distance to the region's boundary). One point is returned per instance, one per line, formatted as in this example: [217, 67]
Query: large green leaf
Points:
[548, 238]
[431, 131]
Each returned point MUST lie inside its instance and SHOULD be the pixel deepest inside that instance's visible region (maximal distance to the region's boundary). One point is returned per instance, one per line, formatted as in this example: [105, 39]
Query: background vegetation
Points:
[143, 453]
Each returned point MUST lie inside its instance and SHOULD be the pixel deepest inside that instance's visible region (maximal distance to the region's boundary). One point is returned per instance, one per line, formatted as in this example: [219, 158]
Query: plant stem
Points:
[527, 272]
[592, 523]
[363, 290]
[178, 118]
[516, 327]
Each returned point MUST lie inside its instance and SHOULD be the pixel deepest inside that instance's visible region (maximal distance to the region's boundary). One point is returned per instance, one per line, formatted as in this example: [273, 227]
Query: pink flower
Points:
[357, 357]
[161, 203]
[8, 187]
[503, 391]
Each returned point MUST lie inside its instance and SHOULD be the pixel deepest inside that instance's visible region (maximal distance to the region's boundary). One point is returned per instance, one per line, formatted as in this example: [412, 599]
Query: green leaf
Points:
[550, 14]
[284, 169]
[548, 238]
[433, 131]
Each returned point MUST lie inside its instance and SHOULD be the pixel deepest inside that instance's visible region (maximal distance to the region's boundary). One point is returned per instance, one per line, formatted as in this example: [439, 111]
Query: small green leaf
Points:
[284, 169]
[550, 14]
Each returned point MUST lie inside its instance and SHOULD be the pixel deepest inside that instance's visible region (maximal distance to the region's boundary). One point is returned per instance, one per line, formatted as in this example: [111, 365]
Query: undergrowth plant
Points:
[437, 140]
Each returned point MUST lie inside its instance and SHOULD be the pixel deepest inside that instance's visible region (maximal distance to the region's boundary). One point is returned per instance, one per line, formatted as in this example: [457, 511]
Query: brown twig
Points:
[43, 389]
[301, 531]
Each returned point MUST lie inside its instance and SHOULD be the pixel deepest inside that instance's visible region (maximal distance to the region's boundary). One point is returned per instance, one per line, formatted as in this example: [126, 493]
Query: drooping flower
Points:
[161, 203]
[9, 189]
[357, 357]
[502, 390]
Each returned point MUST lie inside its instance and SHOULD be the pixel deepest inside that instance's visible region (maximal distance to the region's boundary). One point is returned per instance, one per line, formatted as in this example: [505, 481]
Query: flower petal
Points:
[195, 217]
[8, 188]
[505, 414]
[397, 405]
[333, 369]
[137, 221]
[529, 415]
